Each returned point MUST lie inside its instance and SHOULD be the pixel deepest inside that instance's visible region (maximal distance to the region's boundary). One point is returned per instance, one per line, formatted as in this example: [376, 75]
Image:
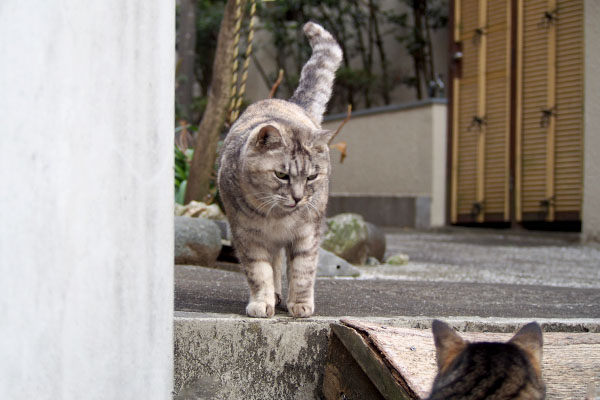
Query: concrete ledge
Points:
[226, 356]
[386, 109]
[229, 357]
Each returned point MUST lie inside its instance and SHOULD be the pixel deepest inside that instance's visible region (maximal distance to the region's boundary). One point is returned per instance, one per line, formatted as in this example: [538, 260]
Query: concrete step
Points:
[229, 356]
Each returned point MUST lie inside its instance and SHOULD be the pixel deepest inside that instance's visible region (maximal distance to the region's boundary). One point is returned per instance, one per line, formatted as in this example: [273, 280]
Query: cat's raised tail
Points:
[316, 80]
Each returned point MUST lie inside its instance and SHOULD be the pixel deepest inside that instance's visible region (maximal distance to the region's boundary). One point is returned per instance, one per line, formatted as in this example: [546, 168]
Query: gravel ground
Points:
[485, 256]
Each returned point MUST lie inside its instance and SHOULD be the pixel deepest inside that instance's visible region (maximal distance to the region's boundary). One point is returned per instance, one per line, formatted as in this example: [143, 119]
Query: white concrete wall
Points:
[591, 184]
[399, 151]
[86, 197]
[439, 150]
[389, 152]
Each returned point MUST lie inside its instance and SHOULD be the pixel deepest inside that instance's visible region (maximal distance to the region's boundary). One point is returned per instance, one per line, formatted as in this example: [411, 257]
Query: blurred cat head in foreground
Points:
[488, 370]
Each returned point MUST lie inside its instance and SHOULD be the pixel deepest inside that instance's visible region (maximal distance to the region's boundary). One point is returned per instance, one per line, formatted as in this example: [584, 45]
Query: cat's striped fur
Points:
[273, 180]
[489, 370]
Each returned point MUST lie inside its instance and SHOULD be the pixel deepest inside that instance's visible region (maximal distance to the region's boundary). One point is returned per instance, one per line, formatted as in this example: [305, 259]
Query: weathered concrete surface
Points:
[244, 358]
[86, 199]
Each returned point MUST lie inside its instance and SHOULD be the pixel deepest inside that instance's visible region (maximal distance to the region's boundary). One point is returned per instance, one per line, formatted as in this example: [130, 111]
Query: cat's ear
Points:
[448, 343]
[322, 136]
[529, 338]
[268, 137]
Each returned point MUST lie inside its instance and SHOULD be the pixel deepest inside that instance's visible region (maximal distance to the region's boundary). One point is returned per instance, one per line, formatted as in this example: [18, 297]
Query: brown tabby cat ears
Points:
[323, 136]
[268, 137]
[529, 338]
[448, 343]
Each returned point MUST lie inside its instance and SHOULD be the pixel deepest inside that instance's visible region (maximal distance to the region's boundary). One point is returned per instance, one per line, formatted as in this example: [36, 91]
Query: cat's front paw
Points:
[301, 310]
[259, 309]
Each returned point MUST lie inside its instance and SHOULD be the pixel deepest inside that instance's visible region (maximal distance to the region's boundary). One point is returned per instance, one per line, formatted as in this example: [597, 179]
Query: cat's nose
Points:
[296, 199]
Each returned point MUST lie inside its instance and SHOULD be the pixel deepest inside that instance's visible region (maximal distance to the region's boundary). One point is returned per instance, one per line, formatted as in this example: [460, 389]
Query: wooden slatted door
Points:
[540, 143]
[549, 133]
[481, 112]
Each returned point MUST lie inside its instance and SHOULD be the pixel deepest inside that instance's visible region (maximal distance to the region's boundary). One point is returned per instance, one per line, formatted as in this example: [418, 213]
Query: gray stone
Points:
[347, 237]
[197, 241]
[372, 262]
[375, 241]
[225, 229]
[332, 265]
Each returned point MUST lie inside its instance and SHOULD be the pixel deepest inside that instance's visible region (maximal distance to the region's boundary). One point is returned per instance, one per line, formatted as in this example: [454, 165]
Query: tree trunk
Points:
[430, 63]
[418, 50]
[209, 130]
[385, 89]
[187, 53]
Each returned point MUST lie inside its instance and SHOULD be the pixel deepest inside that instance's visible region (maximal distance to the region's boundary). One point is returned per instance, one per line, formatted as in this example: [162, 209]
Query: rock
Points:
[332, 265]
[376, 241]
[200, 209]
[372, 262]
[179, 209]
[349, 236]
[197, 241]
[225, 229]
[398, 259]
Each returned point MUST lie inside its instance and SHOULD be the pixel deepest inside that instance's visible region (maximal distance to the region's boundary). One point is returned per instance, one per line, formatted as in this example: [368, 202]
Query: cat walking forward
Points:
[511, 370]
[273, 180]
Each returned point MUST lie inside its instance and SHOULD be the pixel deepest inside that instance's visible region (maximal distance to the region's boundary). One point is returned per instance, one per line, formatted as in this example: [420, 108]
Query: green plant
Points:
[182, 170]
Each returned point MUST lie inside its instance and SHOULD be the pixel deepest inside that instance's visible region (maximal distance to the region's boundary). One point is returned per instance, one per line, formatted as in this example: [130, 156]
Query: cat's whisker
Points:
[271, 202]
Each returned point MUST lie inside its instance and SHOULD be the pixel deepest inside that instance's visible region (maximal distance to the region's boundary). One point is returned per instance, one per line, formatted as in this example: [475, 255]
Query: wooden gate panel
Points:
[467, 135]
[482, 153]
[569, 103]
[497, 134]
[534, 132]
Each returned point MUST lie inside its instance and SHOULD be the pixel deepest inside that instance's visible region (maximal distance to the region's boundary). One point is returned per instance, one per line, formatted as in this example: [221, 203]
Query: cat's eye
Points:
[282, 175]
[312, 177]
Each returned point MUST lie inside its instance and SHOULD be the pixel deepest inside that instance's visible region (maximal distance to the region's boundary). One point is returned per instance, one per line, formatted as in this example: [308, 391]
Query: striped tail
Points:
[318, 74]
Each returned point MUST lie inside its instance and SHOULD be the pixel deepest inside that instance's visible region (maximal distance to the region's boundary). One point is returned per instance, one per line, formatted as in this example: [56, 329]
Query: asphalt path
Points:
[451, 273]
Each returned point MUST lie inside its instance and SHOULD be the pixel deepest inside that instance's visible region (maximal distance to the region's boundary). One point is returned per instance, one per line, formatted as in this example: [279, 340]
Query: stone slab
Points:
[570, 366]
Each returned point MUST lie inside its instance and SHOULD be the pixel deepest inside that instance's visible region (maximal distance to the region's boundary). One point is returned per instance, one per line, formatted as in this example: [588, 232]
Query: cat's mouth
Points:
[293, 205]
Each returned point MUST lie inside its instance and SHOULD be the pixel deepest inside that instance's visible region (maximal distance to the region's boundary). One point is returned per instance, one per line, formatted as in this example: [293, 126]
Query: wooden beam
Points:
[455, 116]
[519, 115]
[382, 376]
[551, 108]
[508, 119]
[481, 110]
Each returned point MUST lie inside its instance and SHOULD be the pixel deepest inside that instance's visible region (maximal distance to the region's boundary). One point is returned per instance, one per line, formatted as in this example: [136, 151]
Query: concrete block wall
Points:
[394, 173]
[86, 199]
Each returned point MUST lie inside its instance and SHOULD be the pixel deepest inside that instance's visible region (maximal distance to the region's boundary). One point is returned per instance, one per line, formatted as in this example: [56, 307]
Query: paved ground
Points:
[451, 273]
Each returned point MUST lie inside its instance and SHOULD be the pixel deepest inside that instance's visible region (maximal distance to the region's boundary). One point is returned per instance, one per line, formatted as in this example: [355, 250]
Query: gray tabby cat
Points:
[273, 180]
[511, 370]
